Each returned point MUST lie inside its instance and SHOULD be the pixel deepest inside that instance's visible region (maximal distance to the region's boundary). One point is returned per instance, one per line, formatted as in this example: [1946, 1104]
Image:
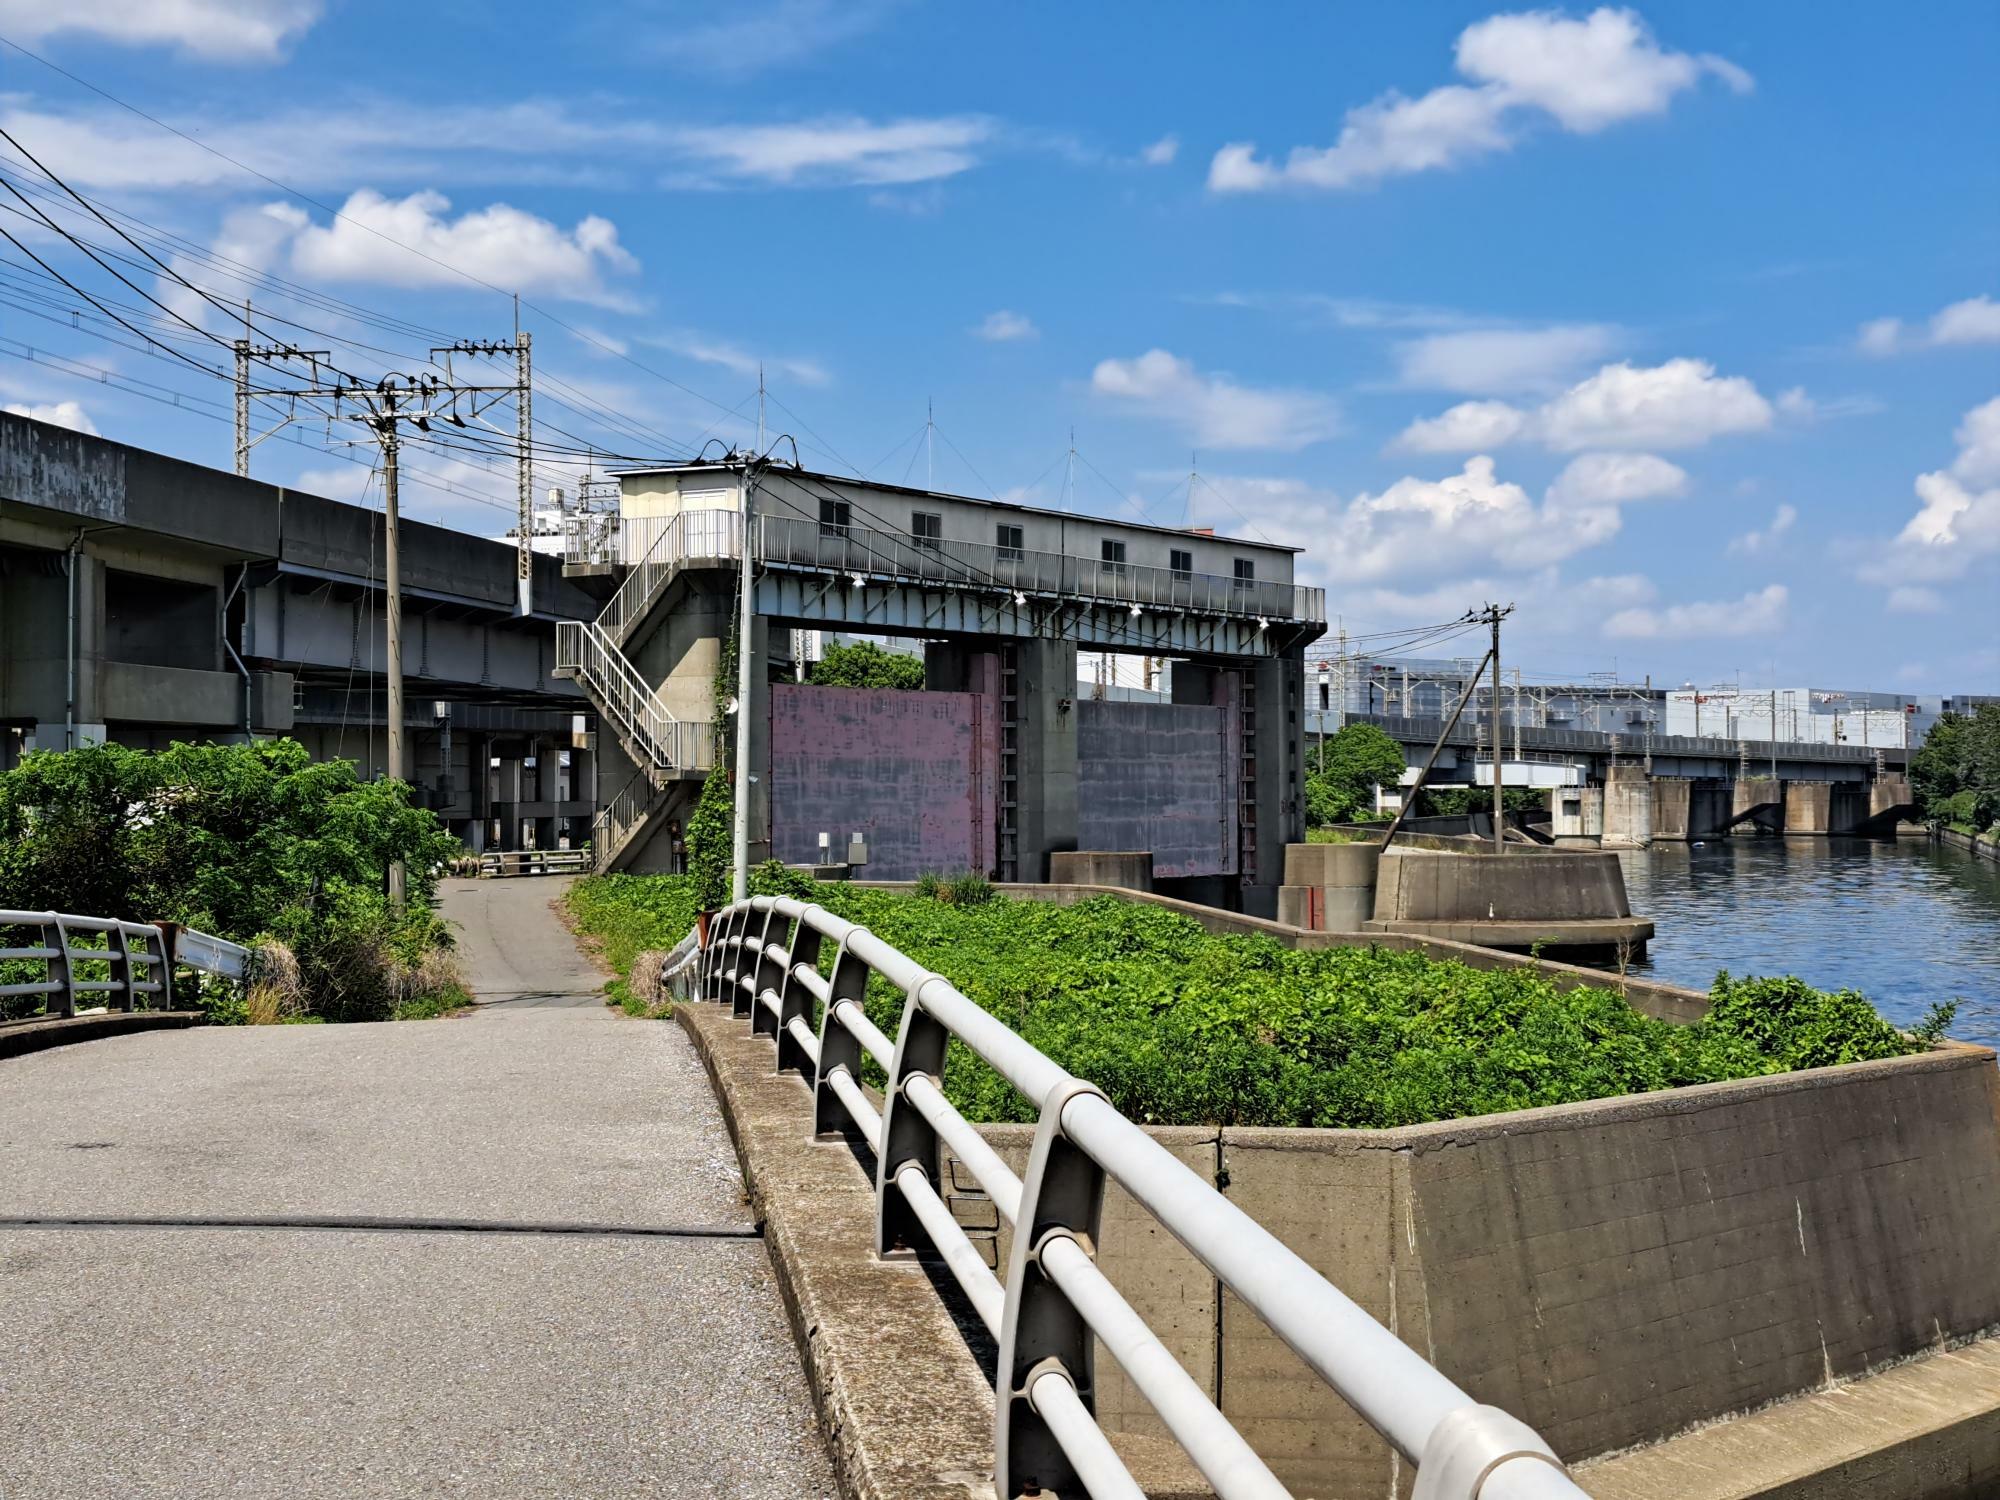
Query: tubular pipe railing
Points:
[763, 959]
[138, 959]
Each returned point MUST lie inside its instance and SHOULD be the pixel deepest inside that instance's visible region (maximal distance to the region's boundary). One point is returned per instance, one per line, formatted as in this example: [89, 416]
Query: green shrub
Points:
[248, 842]
[1181, 1027]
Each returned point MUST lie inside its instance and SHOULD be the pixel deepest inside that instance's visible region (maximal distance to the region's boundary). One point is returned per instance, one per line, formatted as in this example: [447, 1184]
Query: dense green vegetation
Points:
[1456, 801]
[1180, 1027]
[255, 843]
[1956, 772]
[1343, 771]
[863, 664]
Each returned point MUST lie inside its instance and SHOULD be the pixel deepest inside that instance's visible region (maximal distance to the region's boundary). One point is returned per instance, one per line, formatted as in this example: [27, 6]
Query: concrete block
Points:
[1331, 864]
[1130, 870]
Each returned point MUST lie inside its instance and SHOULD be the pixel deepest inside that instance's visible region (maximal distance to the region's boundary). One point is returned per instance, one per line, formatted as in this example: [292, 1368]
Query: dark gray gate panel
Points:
[907, 770]
[1157, 776]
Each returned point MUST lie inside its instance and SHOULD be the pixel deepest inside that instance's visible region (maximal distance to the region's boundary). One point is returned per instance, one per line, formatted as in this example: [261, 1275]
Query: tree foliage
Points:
[243, 841]
[1179, 1026]
[1342, 773]
[1955, 773]
[863, 664]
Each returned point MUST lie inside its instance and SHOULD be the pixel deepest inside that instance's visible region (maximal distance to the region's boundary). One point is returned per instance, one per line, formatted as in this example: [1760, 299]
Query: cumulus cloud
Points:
[58, 414]
[214, 30]
[1760, 612]
[505, 246]
[1489, 361]
[1582, 75]
[1680, 404]
[1004, 327]
[1976, 320]
[1419, 529]
[1956, 526]
[1616, 479]
[1162, 152]
[1214, 410]
[1751, 543]
[1465, 428]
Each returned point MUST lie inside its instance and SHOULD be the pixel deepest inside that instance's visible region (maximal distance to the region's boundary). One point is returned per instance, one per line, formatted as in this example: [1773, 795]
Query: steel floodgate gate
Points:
[1158, 777]
[913, 772]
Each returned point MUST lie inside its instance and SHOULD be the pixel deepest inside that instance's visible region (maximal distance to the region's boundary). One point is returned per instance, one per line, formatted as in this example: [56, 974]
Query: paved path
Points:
[504, 1255]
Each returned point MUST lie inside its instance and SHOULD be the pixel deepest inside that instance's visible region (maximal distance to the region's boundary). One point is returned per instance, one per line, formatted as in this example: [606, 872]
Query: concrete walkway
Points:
[504, 1255]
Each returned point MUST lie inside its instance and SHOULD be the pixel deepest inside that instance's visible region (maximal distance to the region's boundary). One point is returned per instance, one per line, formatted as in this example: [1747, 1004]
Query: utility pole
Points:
[242, 347]
[392, 613]
[524, 442]
[1494, 614]
[739, 834]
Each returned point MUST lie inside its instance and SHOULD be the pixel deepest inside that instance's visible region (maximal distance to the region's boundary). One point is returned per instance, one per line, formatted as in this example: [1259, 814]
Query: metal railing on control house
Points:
[765, 958]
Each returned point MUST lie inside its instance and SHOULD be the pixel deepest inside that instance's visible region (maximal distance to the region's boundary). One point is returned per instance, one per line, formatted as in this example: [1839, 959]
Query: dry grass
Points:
[275, 993]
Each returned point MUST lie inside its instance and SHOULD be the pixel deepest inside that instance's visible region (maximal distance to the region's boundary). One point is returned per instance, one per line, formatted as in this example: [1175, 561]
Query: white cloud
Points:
[1465, 428]
[1418, 530]
[1760, 612]
[1976, 320]
[498, 244]
[1750, 543]
[1914, 599]
[1956, 527]
[735, 359]
[1003, 327]
[1978, 460]
[1616, 479]
[215, 30]
[1162, 152]
[754, 38]
[597, 341]
[57, 413]
[1880, 336]
[1588, 74]
[838, 150]
[1213, 409]
[253, 238]
[1583, 75]
[1488, 361]
[1680, 404]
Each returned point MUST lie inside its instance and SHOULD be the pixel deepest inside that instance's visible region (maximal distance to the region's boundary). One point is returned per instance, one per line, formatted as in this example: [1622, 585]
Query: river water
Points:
[1905, 922]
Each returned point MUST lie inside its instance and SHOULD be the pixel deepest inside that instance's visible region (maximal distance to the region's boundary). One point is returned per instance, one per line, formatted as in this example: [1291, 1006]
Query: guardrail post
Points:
[1062, 1196]
[716, 965]
[906, 1135]
[163, 967]
[118, 946]
[794, 999]
[749, 961]
[838, 1047]
[63, 969]
[770, 972]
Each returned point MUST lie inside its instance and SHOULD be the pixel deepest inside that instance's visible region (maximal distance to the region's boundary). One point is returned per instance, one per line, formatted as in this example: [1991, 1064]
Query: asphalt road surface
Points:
[500, 1255]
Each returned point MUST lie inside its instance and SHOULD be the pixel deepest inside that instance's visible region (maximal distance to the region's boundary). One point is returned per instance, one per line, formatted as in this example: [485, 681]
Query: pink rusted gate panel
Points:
[913, 772]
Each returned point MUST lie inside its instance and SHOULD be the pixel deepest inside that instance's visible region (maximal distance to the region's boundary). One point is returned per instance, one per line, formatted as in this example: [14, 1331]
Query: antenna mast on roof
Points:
[1069, 473]
[930, 425]
[1190, 503]
[760, 406]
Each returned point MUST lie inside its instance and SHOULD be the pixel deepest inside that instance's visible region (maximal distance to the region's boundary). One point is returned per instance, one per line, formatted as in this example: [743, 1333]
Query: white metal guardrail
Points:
[137, 959]
[509, 862]
[764, 959]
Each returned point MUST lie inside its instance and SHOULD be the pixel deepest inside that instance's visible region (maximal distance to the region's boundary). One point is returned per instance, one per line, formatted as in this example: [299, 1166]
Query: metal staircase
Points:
[665, 749]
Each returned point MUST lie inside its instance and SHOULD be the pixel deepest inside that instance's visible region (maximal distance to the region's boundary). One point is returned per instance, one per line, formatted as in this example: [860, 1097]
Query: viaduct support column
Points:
[1045, 754]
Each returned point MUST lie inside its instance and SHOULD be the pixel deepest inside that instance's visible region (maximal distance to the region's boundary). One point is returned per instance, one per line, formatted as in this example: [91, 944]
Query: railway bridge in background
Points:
[143, 600]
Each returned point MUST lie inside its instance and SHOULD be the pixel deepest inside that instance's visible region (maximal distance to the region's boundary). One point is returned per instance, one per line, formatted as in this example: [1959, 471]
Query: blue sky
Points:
[1678, 327]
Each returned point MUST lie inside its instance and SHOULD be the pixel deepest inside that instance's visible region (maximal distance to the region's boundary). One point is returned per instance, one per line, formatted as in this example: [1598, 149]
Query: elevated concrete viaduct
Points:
[144, 600]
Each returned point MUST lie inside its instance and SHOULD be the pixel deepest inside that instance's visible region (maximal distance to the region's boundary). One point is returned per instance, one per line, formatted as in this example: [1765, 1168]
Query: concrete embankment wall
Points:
[1979, 848]
[1420, 885]
[1611, 1272]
